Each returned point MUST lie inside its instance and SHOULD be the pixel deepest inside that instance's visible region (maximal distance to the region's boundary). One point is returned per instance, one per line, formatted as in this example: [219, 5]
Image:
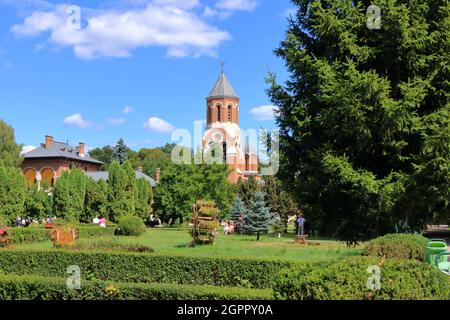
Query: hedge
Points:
[401, 246]
[13, 287]
[41, 234]
[145, 267]
[347, 280]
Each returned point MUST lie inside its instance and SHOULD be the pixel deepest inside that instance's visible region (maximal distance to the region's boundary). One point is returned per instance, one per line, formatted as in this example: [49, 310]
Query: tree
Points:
[247, 189]
[258, 218]
[280, 201]
[120, 153]
[144, 198]
[69, 195]
[365, 116]
[104, 155]
[38, 204]
[13, 192]
[121, 191]
[238, 212]
[9, 149]
[96, 201]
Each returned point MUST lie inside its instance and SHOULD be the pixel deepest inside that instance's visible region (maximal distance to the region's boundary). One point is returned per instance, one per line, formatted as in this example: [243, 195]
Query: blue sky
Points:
[135, 69]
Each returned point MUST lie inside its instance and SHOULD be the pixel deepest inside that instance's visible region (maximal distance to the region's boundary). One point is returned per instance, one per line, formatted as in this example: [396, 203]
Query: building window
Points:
[224, 149]
[229, 113]
[218, 113]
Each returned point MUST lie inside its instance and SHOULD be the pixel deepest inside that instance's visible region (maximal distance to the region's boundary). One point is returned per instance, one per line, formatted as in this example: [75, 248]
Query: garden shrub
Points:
[131, 226]
[112, 245]
[145, 268]
[347, 280]
[402, 246]
[13, 287]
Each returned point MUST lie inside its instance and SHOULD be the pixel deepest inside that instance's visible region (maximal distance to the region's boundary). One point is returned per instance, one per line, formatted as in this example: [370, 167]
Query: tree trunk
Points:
[257, 237]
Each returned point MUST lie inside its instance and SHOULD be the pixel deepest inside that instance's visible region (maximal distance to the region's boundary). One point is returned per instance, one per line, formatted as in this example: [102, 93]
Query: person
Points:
[96, 221]
[102, 222]
[226, 229]
[301, 225]
[18, 221]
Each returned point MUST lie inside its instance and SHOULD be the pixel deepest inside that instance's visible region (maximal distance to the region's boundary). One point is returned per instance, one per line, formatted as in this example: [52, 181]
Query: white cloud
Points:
[263, 112]
[127, 110]
[115, 121]
[235, 5]
[158, 125]
[77, 121]
[26, 149]
[116, 33]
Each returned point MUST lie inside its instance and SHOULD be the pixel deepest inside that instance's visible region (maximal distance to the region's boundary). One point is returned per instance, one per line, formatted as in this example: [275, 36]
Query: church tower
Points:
[223, 132]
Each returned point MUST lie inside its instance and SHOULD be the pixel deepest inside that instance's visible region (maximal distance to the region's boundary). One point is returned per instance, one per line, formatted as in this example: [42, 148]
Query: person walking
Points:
[301, 225]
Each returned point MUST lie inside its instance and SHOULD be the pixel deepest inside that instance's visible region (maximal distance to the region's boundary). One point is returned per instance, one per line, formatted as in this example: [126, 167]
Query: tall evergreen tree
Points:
[13, 193]
[120, 152]
[258, 218]
[247, 189]
[69, 195]
[9, 149]
[39, 203]
[144, 198]
[119, 202]
[96, 201]
[365, 116]
[238, 212]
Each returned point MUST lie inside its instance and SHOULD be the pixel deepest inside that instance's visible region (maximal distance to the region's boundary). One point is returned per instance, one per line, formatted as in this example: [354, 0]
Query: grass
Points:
[173, 241]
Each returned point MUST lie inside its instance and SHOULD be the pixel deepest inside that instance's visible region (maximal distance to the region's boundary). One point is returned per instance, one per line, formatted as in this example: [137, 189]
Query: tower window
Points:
[229, 113]
[224, 146]
[218, 113]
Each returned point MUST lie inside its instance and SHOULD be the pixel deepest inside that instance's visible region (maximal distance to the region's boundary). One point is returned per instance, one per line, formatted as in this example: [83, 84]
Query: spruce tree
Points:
[238, 212]
[120, 153]
[365, 115]
[258, 218]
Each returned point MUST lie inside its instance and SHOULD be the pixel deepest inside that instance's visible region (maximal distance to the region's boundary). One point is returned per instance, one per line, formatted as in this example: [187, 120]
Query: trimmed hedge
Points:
[401, 246]
[22, 235]
[13, 287]
[131, 226]
[347, 280]
[144, 267]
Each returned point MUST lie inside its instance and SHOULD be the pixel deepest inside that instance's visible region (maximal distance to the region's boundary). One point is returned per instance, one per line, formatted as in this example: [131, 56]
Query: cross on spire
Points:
[222, 65]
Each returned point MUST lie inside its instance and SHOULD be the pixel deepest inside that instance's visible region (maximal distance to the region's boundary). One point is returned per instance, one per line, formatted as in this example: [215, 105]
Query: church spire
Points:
[222, 88]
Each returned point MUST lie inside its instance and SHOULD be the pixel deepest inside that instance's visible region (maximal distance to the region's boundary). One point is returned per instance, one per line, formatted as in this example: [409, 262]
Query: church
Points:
[223, 131]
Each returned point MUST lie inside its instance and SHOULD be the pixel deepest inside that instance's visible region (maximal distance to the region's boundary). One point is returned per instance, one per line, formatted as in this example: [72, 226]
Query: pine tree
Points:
[238, 212]
[258, 218]
[365, 115]
[120, 153]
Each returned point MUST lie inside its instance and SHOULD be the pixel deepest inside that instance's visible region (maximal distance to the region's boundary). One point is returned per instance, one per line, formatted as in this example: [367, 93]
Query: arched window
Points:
[224, 148]
[247, 162]
[218, 113]
[229, 113]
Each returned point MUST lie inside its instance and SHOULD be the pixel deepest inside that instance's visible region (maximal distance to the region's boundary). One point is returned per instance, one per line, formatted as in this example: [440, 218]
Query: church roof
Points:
[222, 89]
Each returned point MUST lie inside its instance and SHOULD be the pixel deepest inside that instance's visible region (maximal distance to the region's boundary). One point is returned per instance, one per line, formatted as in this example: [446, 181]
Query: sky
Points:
[97, 71]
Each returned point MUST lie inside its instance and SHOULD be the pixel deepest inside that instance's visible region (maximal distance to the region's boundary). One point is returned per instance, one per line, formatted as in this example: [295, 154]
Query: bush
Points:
[144, 267]
[131, 226]
[112, 245]
[347, 280]
[15, 287]
[402, 246]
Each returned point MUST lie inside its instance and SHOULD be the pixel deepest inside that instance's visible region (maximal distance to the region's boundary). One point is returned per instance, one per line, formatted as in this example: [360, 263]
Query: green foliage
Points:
[9, 149]
[50, 288]
[119, 186]
[150, 159]
[238, 212]
[181, 185]
[402, 246]
[144, 197]
[38, 204]
[120, 153]
[111, 245]
[347, 280]
[96, 200]
[145, 268]
[247, 190]
[69, 194]
[104, 155]
[258, 218]
[13, 192]
[131, 226]
[365, 117]
[280, 201]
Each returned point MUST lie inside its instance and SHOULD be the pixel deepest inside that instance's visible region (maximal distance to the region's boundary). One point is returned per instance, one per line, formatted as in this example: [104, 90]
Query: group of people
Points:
[99, 221]
[228, 227]
[25, 222]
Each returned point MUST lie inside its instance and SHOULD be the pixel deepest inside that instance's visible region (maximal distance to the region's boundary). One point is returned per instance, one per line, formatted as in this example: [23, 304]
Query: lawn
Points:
[173, 241]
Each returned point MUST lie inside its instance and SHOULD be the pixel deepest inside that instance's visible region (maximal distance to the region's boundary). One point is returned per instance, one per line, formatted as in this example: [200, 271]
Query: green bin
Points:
[434, 246]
